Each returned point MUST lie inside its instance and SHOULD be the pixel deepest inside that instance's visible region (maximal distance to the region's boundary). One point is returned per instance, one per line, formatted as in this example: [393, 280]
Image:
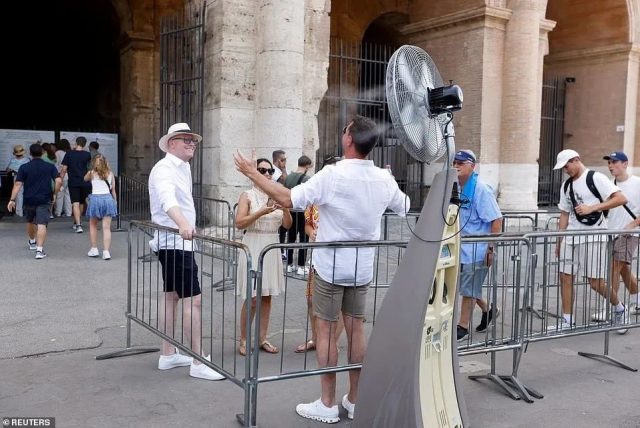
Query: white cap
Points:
[176, 129]
[564, 157]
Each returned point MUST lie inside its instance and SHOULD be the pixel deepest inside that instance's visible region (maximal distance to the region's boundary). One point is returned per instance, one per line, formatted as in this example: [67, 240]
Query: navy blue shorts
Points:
[36, 214]
[179, 272]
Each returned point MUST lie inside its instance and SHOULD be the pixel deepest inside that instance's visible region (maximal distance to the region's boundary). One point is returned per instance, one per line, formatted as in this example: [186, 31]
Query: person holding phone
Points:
[260, 218]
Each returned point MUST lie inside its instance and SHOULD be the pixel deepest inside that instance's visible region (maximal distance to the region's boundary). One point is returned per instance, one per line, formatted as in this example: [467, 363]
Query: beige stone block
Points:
[279, 79]
[281, 26]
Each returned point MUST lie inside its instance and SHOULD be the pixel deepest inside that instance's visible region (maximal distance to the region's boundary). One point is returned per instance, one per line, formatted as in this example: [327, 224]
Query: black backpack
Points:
[594, 217]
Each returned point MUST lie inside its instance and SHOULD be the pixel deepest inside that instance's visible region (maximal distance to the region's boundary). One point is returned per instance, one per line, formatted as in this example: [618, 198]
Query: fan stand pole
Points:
[418, 386]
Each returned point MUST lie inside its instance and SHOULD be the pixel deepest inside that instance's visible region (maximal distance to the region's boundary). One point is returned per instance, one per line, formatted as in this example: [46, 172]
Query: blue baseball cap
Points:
[616, 156]
[465, 156]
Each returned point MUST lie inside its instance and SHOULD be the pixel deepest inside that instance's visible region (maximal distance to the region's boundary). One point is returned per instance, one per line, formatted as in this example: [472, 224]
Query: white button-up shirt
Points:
[351, 197]
[170, 186]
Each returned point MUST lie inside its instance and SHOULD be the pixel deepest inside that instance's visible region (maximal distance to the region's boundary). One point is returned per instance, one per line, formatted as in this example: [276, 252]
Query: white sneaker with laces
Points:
[40, 255]
[79, 229]
[166, 362]
[348, 406]
[302, 271]
[32, 246]
[93, 252]
[106, 255]
[621, 318]
[291, 268]
[319, 412]
[201, 371]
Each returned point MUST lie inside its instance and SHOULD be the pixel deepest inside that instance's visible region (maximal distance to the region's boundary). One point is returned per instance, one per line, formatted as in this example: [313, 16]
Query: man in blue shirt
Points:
[37, 177]
[479, 215]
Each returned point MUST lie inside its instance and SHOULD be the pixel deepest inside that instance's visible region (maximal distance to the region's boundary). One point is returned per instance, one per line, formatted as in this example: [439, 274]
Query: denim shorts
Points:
[472, 276]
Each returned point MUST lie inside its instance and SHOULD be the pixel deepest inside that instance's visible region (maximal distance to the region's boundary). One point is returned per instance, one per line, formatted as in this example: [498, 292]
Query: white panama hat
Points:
[176, 129]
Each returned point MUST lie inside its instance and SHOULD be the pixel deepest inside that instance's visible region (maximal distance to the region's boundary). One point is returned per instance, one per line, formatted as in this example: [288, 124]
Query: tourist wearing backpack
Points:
[585, 198]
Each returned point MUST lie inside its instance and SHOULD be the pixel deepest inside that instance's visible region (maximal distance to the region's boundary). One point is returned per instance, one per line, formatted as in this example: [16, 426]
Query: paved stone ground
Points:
[59, 313]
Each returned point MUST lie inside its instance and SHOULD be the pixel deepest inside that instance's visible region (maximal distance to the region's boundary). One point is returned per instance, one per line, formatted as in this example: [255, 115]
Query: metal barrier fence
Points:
[213, 318]
[578, 279]
[524, 274]
[215, 217]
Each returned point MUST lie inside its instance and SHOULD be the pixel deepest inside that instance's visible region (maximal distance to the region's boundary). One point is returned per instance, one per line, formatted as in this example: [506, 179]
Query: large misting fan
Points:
[409, 375]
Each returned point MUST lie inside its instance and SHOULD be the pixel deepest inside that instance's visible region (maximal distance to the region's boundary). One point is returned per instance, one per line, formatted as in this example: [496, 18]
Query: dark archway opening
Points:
[62, 66]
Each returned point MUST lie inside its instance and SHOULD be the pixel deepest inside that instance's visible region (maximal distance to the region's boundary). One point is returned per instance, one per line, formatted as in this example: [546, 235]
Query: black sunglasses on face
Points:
[263, 171]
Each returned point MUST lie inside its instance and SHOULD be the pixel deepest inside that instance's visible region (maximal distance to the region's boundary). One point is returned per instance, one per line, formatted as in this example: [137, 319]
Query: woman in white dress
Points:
[260, 218]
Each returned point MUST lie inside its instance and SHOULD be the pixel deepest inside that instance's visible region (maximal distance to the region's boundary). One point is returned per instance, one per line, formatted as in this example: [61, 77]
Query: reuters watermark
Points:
[21, 421]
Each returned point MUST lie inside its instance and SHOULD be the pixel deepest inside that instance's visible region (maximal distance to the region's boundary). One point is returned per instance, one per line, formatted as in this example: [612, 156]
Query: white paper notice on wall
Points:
[108, 144]
[620, 128]
[12, 137]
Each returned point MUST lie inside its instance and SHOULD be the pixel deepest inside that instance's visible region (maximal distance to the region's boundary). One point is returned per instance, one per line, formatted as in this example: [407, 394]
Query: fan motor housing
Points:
[444, 99]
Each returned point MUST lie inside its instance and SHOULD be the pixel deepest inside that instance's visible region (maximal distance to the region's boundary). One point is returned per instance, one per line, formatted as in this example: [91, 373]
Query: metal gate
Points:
[182, 38]
[551, 139]
[356, 85]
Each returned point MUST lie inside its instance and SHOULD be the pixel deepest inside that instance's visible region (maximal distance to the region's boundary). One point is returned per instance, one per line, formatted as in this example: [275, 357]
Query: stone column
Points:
[279, 78]
[138, 104]
[230, 91]
[520, 136]
[316, 64]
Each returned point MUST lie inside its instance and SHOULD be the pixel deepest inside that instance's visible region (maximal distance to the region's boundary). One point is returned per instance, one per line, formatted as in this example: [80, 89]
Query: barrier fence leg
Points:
[606, 358]
[128, 350]
[492, 376]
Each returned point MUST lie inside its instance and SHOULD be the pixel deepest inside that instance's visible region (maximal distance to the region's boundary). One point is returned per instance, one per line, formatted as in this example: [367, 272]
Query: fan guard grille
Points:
[410, 74]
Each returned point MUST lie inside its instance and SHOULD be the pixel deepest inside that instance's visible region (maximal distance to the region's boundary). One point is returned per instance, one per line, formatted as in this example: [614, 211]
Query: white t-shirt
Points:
[583, 195]
[618, 216]
[351, 197]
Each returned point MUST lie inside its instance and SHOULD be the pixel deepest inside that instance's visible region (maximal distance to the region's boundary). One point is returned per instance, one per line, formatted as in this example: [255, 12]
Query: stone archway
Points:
[600, 113]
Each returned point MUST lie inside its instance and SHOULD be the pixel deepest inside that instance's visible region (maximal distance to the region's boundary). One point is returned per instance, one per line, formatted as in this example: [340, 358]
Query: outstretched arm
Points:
[276, 191]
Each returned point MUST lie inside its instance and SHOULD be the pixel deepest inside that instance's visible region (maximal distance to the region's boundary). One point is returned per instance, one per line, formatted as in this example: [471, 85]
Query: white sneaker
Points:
[201, 371]
[318, 412]
[32, 245]
[302, 271]
[291, 268]
[93, 252]
[106, 255]
[621, 318]
[40, 254]
[634, 309]
[166, 362]
[348, 406]
[565, 325]
[79, 229]
[599, 316]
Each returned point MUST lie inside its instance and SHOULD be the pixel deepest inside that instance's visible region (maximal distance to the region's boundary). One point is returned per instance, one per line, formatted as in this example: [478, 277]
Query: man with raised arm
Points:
[351, 197]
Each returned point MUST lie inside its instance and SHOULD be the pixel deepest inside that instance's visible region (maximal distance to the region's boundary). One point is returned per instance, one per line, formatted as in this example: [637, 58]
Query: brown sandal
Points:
[309, 346]
[242, 349]
[268, 347]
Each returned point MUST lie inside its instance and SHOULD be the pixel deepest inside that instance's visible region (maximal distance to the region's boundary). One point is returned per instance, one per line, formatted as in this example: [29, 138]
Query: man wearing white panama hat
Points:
[172, 206]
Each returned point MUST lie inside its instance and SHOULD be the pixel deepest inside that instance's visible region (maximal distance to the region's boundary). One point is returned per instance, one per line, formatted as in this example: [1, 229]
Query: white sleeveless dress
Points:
[261, 233]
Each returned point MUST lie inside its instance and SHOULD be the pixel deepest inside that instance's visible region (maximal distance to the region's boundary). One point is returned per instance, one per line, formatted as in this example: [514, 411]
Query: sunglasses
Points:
[187, 141]
[269, 171]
